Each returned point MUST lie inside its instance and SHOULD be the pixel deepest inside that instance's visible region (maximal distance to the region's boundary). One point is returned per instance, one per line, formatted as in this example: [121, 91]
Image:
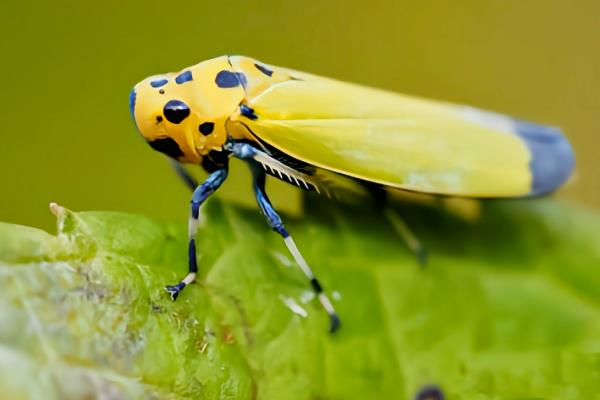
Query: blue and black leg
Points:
[201, 193]
[275, 222]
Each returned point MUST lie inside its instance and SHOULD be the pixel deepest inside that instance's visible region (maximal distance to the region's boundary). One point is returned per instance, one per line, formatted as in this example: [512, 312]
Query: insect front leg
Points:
[275, 222]
[201, 193]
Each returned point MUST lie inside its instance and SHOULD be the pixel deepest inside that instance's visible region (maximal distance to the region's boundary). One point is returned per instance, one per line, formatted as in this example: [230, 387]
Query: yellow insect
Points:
[296, 126]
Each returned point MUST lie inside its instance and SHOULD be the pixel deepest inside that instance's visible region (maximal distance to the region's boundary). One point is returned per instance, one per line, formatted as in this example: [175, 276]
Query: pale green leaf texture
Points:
[507, 308]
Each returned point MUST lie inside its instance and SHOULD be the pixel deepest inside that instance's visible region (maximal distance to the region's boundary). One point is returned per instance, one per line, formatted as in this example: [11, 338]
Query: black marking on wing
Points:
[264, 70]
[248, 112]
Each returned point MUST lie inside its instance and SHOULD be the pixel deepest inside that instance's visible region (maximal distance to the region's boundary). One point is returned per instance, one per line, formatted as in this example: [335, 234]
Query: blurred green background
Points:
[67, 68]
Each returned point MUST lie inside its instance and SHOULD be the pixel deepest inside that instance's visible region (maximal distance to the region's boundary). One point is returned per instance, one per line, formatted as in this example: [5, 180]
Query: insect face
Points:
[183, 114]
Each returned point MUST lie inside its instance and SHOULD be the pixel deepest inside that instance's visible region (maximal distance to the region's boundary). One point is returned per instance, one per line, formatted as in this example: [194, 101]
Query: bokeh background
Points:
[67, 68]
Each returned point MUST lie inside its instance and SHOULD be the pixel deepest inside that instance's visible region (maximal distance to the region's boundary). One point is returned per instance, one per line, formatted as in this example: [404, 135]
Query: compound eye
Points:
[176, 111]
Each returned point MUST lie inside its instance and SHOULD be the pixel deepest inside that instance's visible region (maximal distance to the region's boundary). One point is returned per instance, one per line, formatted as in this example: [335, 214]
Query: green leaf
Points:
[507, 308]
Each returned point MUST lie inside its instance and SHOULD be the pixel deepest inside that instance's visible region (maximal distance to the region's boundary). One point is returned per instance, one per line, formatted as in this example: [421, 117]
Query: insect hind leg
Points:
[380, 197]
[410, 238]
[275, 222]
[244, 151]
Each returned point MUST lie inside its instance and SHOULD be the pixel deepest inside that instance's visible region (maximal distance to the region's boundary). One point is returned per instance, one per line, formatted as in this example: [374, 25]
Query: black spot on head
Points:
[183, 77]
[167, 146]
[158, 83]
[206, 128]
[159, 119]
[176, 111]
[264, 70]
[228, 79]
[161, 91]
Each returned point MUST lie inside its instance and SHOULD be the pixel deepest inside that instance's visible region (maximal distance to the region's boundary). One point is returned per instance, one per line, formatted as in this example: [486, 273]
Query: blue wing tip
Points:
[552, 158]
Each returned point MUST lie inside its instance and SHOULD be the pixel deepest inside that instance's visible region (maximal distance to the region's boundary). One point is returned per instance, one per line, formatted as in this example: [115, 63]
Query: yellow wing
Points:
[407, 142]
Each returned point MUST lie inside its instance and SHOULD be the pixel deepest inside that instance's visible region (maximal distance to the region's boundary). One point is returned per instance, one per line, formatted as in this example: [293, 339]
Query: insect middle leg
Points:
[380, 197]
[275, 222]
[201, 193]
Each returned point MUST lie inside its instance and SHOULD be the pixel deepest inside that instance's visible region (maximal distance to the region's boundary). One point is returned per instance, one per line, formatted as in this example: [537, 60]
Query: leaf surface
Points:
[507, 308]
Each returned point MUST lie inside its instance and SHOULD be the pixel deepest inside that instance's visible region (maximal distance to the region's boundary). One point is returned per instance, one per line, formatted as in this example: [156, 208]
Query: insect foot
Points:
[421, 254]
[334, 322]
[174, 290]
